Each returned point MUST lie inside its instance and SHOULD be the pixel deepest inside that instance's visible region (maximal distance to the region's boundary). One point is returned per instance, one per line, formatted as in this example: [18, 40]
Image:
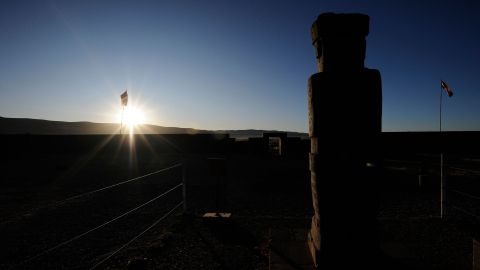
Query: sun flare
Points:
[133, 116]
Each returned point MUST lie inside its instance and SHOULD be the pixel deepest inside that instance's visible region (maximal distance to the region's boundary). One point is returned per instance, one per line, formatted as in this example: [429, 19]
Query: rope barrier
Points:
[466, 194]
[469, 171]
[466, 212]
[139, 235]
[115, 185]
[96, 228]
[59, 203]
[469, 196]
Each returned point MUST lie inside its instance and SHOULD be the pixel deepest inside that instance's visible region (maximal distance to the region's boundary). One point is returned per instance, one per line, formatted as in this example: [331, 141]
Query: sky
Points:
[230, 64]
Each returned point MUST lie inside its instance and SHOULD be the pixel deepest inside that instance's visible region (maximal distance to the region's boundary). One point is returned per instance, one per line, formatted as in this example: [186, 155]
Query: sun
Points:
[133, 116]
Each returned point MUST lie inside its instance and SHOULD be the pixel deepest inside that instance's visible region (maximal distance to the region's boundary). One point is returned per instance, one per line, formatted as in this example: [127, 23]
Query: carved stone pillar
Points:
[345, 107]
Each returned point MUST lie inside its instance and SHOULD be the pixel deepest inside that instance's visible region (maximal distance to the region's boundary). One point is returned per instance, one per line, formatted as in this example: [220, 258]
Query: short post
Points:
[218, 170]
[421, 174]
[442, 188]
[476, 255]
[184, 185]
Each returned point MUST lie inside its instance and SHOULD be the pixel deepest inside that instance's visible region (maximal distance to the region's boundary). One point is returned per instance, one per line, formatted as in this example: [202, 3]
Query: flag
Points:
[446, 88]
[124, 98]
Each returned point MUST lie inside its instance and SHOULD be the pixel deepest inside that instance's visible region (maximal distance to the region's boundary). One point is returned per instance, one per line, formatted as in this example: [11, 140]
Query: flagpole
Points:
[442, 180]
[121, 120]
[441, 94]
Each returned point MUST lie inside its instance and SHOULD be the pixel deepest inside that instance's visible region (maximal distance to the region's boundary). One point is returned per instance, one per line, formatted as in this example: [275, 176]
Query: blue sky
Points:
[229, 64]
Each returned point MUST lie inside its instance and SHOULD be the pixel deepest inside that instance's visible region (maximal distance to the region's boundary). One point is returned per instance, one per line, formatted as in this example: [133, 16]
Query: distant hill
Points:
[249, 133]
[47, 127]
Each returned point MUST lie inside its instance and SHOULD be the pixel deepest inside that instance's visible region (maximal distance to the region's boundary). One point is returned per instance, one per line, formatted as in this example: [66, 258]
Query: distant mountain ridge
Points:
[48, 127]
[250, 133]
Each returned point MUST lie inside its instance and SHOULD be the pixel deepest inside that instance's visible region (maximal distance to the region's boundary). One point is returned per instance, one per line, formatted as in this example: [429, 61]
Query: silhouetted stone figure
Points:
[345, 105]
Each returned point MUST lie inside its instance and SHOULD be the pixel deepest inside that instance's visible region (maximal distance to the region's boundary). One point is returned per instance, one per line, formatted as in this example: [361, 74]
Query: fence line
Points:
[114, 185]
[59, 203]
[183, 202]
[472, 172]
[466, 212]
[466, 194]
[138, 235]
[96, 228]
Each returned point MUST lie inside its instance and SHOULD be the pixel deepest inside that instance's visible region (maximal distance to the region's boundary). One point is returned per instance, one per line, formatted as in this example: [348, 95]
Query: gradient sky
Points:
[229, 64]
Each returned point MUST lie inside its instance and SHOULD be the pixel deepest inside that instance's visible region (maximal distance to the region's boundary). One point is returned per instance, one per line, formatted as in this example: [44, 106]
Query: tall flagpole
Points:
[121, 120]
[442, 180]
[441, 94]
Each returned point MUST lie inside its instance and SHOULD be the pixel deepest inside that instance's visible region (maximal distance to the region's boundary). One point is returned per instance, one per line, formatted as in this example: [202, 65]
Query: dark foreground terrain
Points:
[264, 193]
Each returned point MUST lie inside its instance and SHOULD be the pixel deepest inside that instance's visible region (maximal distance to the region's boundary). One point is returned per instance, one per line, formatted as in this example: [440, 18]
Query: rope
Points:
[59, 203]
[115, 185]
[466, 194]
[139, 235]
[470, 171]
[96, 228]
[466, 212]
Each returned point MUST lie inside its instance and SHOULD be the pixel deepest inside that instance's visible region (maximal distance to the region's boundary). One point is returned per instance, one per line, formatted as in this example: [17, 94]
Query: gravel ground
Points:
[194, 243]
[408, 219]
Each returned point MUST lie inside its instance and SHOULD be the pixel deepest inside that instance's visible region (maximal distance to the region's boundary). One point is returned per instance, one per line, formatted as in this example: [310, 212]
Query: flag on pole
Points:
[124, 98]
[446, 88]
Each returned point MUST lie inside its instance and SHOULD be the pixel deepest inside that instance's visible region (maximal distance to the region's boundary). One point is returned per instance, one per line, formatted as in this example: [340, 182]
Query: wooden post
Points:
[476, 255]
[184, 185]
[442, 189]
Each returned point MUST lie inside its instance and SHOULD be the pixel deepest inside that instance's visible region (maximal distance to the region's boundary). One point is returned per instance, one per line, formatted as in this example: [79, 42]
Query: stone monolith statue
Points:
[345, 107]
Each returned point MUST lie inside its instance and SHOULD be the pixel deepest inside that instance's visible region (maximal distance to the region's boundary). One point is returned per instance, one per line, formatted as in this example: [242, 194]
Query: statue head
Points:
[339, 41]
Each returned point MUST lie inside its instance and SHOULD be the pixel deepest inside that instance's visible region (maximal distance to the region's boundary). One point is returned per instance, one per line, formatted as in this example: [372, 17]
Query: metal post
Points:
[442, 181]
[441, 94]
[121, 120]
[184, 185]
[217, 195]
[442, 189]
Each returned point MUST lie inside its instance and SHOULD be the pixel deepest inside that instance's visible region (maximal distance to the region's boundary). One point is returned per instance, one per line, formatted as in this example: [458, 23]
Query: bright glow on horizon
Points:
[132, 116]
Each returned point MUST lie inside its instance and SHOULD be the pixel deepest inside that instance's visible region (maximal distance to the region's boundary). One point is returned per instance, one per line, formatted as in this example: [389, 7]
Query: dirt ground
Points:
[259, 192]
